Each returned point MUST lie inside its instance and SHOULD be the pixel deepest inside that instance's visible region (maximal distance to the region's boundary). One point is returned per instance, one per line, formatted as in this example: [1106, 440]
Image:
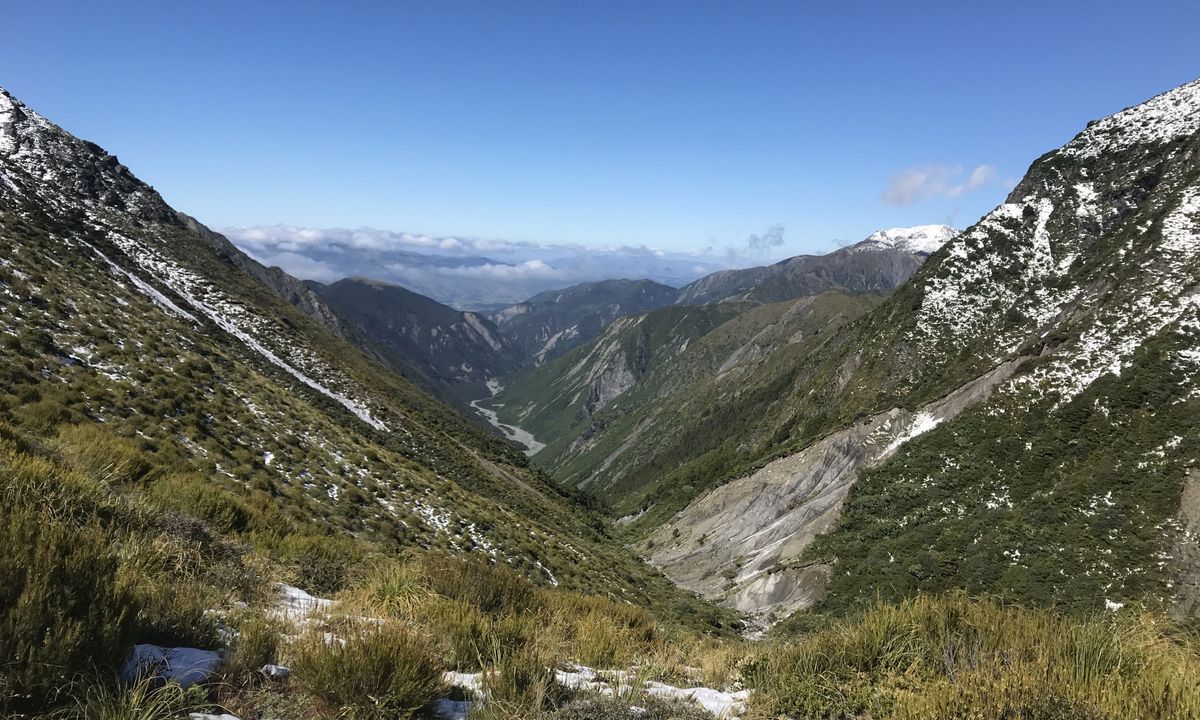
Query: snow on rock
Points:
[8, 137]
[297, 605]
[922, 423]
[1168, 116]
[186, 666]
[1116, 332]
[916, 239]
[580, 678]
[720, 704]
[472, 685]
[276, 672]
[584, 679]
[447, 709]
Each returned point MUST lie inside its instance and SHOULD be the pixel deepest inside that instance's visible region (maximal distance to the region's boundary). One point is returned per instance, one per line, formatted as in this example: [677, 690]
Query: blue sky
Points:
[672, 125]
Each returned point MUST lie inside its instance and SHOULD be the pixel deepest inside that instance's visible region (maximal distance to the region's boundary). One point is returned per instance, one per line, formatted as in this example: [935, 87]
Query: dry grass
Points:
[952, 656]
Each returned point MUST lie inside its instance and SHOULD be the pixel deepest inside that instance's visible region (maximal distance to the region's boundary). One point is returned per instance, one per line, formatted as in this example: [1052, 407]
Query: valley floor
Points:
[518, 435]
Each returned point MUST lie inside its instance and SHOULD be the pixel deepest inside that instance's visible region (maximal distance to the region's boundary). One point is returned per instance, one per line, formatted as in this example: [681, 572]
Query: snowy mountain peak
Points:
[917, 239]
[1161, 119]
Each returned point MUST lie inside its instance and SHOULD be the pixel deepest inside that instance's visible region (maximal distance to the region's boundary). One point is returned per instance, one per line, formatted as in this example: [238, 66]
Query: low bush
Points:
[255, 644]
[144, 700]
[387, 671]
[494, 589]
[63, 611]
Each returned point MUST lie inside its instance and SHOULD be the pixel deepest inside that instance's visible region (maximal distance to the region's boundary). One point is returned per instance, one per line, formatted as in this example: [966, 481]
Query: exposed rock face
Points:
[1186, 554]
[734, 544]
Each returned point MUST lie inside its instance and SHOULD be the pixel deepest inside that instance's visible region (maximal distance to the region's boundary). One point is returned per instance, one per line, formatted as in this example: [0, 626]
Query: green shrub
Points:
[196, 496]
[63, 611]
[954, 657]
[256, 645]
[493, 589]
[389, 588]
[173, 603]
[380, 672]
[521, 682]
[462, 631]
[323, 563]
[102, 455]
[616, 709]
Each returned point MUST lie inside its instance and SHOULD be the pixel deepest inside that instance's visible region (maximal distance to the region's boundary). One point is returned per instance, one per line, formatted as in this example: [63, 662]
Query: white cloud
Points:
[302, 266]
[294, 239]
[528, 270]
[913, 184]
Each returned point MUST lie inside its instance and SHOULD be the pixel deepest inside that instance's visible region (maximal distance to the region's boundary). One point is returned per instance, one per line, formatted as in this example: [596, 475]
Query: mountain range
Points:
[847, 450]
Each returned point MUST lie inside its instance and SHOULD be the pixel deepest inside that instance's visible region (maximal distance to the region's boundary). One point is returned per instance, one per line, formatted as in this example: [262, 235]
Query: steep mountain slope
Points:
[549, 324]
[556, 399]
[1019, 418]
[879, 263]
[450, 346]
[591, 405]
[128, 322]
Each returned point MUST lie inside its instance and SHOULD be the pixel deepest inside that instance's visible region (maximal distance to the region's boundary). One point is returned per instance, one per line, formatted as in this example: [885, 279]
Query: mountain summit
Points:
[919, 239]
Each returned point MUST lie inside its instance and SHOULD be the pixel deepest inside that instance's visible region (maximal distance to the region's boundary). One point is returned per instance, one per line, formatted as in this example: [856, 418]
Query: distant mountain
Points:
[449, 346]
[879, 263]
[549, 324]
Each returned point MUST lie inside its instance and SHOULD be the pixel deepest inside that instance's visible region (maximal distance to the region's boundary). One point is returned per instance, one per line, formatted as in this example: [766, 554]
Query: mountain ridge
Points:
[127, 320]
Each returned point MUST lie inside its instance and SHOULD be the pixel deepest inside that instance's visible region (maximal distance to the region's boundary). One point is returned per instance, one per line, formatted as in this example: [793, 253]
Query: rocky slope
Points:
[879, 263]
[550, 324]
[122, 318]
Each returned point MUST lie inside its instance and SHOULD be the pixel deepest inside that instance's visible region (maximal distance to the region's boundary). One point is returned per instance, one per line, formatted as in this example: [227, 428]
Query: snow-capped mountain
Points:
[926, 239]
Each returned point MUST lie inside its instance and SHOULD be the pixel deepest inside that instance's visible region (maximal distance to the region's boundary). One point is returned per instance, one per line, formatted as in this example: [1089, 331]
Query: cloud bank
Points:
[473, 272]
[949, 181]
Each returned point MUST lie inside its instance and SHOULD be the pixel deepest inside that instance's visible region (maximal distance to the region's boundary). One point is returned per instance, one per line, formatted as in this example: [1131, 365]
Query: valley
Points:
[933, 473]
[521, 437]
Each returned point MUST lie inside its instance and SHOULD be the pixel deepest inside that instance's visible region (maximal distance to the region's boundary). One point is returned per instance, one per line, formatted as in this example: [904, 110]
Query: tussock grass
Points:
[143, 700]
[387, 671]
[258, 642]
[952, 656]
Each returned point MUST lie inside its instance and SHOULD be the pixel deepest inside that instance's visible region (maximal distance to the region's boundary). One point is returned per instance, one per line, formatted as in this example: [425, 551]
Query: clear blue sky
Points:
[668, 124]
